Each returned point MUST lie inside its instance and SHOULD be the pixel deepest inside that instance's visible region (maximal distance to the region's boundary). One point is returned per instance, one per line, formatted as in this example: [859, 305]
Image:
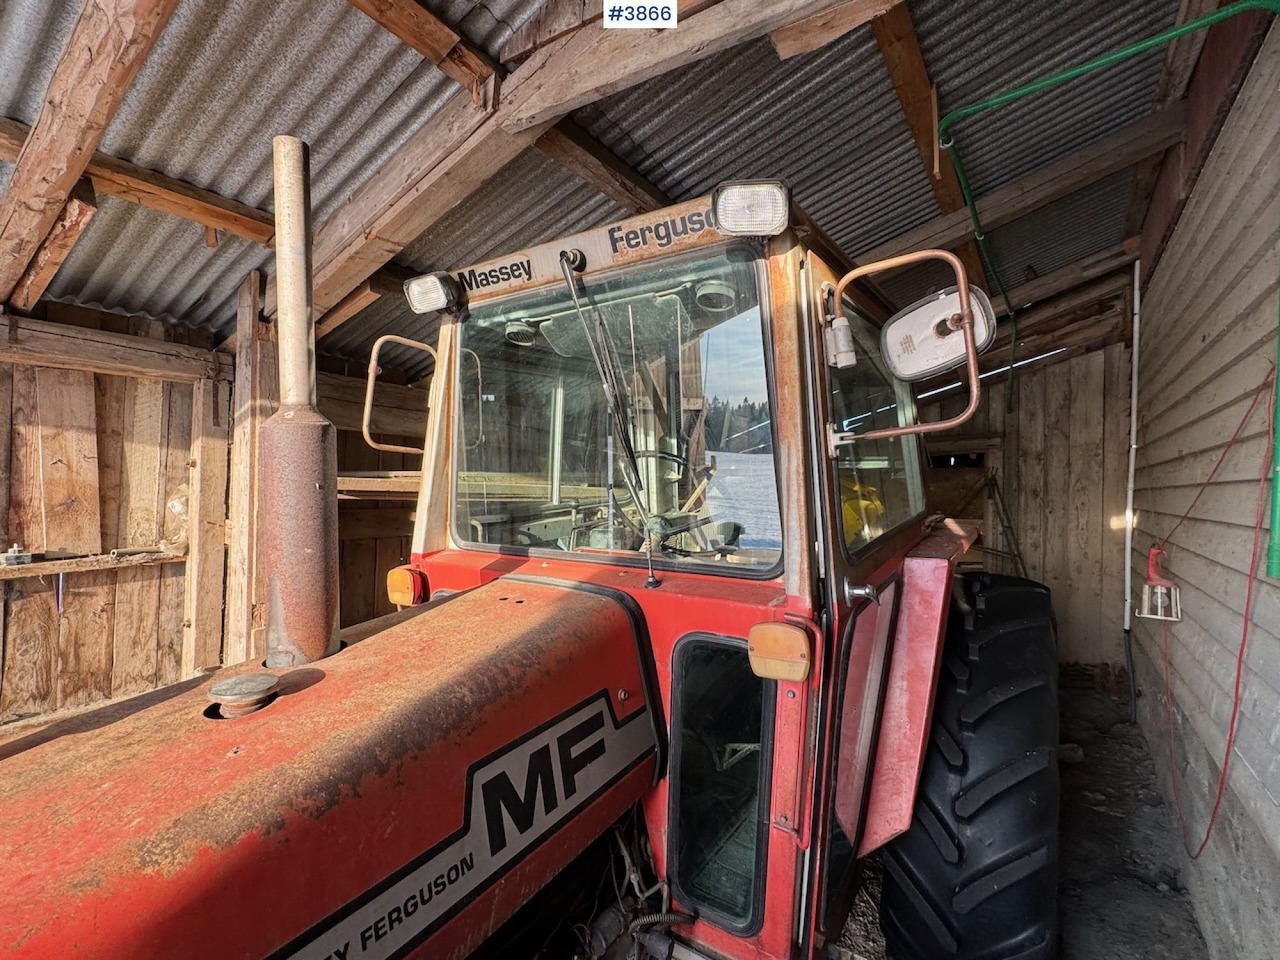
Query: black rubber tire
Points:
[976, 875]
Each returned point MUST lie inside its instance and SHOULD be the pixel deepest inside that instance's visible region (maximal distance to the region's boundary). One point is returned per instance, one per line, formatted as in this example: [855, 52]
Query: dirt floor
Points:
[1119, 895]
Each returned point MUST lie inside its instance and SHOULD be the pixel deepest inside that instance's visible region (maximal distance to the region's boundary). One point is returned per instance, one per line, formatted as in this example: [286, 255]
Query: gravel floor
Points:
[1120, 894]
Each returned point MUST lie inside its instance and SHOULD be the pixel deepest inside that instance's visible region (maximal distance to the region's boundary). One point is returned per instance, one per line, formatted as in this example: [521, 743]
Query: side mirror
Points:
[925, 339]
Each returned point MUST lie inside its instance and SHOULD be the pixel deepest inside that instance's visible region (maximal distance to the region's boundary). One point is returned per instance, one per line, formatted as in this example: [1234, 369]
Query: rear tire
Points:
[975, 877]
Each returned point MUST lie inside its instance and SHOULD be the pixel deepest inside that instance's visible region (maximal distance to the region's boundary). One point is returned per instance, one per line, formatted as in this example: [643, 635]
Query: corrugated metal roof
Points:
[984, 47]
[534, 201]
[225, 76]
[1077, 225]
[828, 122]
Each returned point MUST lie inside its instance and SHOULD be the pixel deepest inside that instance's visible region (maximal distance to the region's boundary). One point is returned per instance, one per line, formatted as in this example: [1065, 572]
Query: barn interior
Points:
[1126, 219]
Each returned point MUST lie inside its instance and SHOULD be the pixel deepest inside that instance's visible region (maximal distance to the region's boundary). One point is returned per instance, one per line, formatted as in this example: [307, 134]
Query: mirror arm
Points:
[373, 379]
[837, 440]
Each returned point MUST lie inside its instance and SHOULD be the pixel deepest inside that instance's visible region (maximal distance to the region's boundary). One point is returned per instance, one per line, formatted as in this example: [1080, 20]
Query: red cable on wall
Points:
[1270, 379]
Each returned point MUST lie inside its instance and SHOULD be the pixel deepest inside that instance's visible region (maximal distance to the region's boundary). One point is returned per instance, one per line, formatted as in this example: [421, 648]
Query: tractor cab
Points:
[694, 409]
[670, 661]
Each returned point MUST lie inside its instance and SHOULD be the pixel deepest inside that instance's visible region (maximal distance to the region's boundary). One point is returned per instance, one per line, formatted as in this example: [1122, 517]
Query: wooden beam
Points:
[1179, 60]
[346, 308]
[434, 39]
[823, 28]
[106, 48]
[1082, 328]
[558, 18]
[900, 49]
[43, 344]
[1087, 165]
[49, 257]
[593, 63]
[206, 528]
[385, 282]
[155, 191]
[398, 410]
[592, 162]
[253, 400]
[461, 148]
[1073, 275]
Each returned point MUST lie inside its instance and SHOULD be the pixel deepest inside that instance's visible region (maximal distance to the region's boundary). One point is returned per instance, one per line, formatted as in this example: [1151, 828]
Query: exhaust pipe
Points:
[298, 449]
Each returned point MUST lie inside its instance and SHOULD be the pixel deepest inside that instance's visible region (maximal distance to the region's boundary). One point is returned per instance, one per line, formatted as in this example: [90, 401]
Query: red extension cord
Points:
[1248, 616]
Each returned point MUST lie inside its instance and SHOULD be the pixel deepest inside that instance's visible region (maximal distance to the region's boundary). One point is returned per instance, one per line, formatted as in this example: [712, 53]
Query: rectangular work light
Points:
[752, 208]
[431, 293]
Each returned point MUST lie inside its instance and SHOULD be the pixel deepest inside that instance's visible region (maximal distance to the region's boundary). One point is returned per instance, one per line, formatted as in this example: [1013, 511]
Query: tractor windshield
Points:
[541, 463]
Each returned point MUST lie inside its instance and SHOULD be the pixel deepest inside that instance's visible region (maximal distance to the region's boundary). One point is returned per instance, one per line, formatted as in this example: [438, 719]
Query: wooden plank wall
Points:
[374, 535]
[1208, 341]
[1061, 459]
[95, 462]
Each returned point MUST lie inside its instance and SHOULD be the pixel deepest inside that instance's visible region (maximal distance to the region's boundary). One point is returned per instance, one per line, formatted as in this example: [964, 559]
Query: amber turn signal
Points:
[779, 651]
[406, 587]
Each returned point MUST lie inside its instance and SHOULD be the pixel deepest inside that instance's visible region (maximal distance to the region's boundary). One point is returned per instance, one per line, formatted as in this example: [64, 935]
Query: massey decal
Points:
[516, 798]
[690, 224]
[474, 279]
[663, 233]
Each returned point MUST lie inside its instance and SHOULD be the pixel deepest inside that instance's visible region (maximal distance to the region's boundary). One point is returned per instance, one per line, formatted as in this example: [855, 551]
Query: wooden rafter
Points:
[147, 188]
[817, 31]
[461, 148]
[1067, 278]
[591, 161]
[385, 282]
[106, 48]
[1079, 169]
[1086, 319]
[900, 49]
[434, 39]
[559, 18]
[49, 256]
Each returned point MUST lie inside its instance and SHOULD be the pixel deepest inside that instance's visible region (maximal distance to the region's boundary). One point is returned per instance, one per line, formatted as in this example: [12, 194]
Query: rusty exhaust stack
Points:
[298, 446]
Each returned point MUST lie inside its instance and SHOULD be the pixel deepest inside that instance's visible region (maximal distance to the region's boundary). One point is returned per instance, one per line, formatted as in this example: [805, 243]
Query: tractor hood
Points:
[401, 798]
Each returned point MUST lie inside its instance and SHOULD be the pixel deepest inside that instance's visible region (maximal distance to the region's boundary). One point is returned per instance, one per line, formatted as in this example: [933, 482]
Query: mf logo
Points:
[575, 750]
[518, 797]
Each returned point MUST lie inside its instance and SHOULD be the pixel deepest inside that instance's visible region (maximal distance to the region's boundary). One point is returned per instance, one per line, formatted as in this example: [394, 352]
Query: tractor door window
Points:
[721, 771]
[880, 480]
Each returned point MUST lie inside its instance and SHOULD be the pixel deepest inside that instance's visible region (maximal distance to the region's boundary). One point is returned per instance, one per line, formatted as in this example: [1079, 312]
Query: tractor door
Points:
[871, 507]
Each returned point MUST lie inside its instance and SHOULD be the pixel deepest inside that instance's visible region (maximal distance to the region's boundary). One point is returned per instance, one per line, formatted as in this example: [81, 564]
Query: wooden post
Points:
[206, 528]
[254, 399]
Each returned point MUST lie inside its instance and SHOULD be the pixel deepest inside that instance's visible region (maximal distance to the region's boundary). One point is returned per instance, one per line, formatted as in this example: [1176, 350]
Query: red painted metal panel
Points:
[913, 677]
[688, 603]
[167, 833]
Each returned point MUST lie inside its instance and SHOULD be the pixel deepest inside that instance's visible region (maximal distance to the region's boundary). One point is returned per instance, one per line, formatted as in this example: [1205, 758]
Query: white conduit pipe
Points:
[1128, 507]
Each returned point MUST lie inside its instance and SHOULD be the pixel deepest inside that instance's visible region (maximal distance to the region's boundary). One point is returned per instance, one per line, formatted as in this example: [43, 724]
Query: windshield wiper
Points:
[602, 356]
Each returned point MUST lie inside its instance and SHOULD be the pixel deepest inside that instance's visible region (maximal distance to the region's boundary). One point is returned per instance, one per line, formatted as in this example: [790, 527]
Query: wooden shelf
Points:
[102, 561]
[380, 485]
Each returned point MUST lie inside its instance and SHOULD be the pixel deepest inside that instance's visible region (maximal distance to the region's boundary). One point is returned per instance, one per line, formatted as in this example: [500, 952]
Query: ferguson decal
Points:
[516, 798]
[663, 233]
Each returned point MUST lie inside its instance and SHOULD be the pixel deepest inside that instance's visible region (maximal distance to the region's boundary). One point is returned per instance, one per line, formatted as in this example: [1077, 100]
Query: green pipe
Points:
[1273, 541]
[1116, 56]
[946, 141]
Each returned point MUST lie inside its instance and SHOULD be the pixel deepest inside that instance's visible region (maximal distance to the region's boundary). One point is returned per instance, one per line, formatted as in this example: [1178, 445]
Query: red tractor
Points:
[685, 644]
